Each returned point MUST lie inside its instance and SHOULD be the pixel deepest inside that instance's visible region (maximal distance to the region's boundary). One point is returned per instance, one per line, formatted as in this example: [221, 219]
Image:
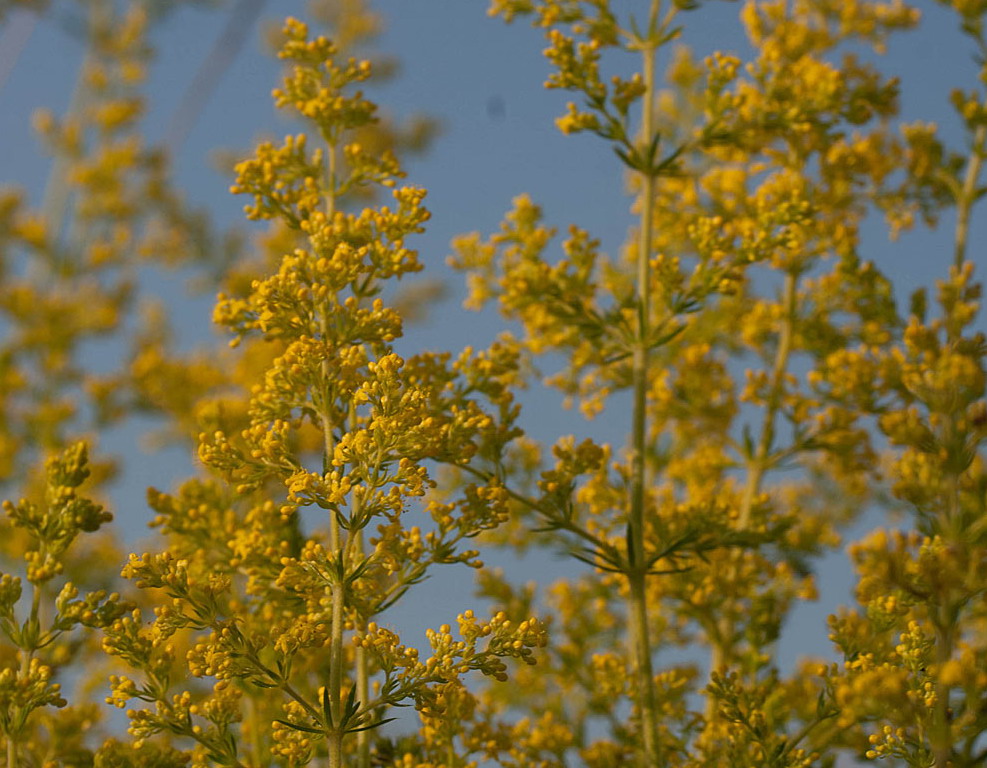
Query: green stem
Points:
[362, 669]
[12, 751]
[336, 658]
[722, 643]
[363, 694]
[759, 463]
[253, 722]
[945, 617]
[968, 194]
[282, 682]
[332, 161]
[451, 761]
[598, 544]
[327, 436]
[942, 730]
[54, 206]
[640, 624]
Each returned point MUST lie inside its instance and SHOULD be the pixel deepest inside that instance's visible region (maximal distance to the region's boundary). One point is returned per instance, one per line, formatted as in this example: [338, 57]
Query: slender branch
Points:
[210, 74]
[13, 759]
[968, 194]
[55, 202]
[534, 506]
[362, 663]
[803, 732]
[637, 572]
[281, 682]
[942, 731]
[13, 40]
[759, 462]
[945, 616]
[336, 658]
[253, 722]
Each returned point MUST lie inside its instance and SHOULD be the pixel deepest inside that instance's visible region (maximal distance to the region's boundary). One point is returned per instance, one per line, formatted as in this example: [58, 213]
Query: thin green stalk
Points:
[758, 464]
[55, 202]
[968, 194]
[185, 728]
[637, 573]
[363, 694]
[12, 751]
[451, 761]
[336, 658]
[945, 617]
[966, 198]
[336, 679]
[942, 730]
[14, 38]
[253, 721]
[327, 435]
[280, 681]
[26, 654]
[362, 670]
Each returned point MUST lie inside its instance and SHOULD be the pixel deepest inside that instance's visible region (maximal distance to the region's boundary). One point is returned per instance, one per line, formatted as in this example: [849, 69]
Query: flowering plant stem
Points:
[759, 462]
[761, 459]
[968, 194]
[336, 660]
[945, 619]
[362, 662]
[637, 573]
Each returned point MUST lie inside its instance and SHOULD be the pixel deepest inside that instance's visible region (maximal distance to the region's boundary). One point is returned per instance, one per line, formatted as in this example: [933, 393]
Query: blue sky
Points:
[455, 62]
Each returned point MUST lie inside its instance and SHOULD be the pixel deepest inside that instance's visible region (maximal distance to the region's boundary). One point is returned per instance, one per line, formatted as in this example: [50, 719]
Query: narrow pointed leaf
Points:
[300, 727]
[352, 705]
[371, 726]
[327, 708]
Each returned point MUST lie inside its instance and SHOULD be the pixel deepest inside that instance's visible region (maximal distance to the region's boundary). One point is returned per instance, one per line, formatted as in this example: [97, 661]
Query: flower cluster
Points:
[42, 635]
[747, 176]
[257, 595]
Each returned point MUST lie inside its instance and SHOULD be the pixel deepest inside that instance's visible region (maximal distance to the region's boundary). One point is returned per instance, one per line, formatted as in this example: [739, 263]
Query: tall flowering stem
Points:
[283, 603]
[637, 573]
[738, 169]
[914, 671]
[51, 525]
[568, 310]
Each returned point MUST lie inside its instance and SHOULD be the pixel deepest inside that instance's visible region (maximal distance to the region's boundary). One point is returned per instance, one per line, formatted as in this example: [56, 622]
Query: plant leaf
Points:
[300, 727]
